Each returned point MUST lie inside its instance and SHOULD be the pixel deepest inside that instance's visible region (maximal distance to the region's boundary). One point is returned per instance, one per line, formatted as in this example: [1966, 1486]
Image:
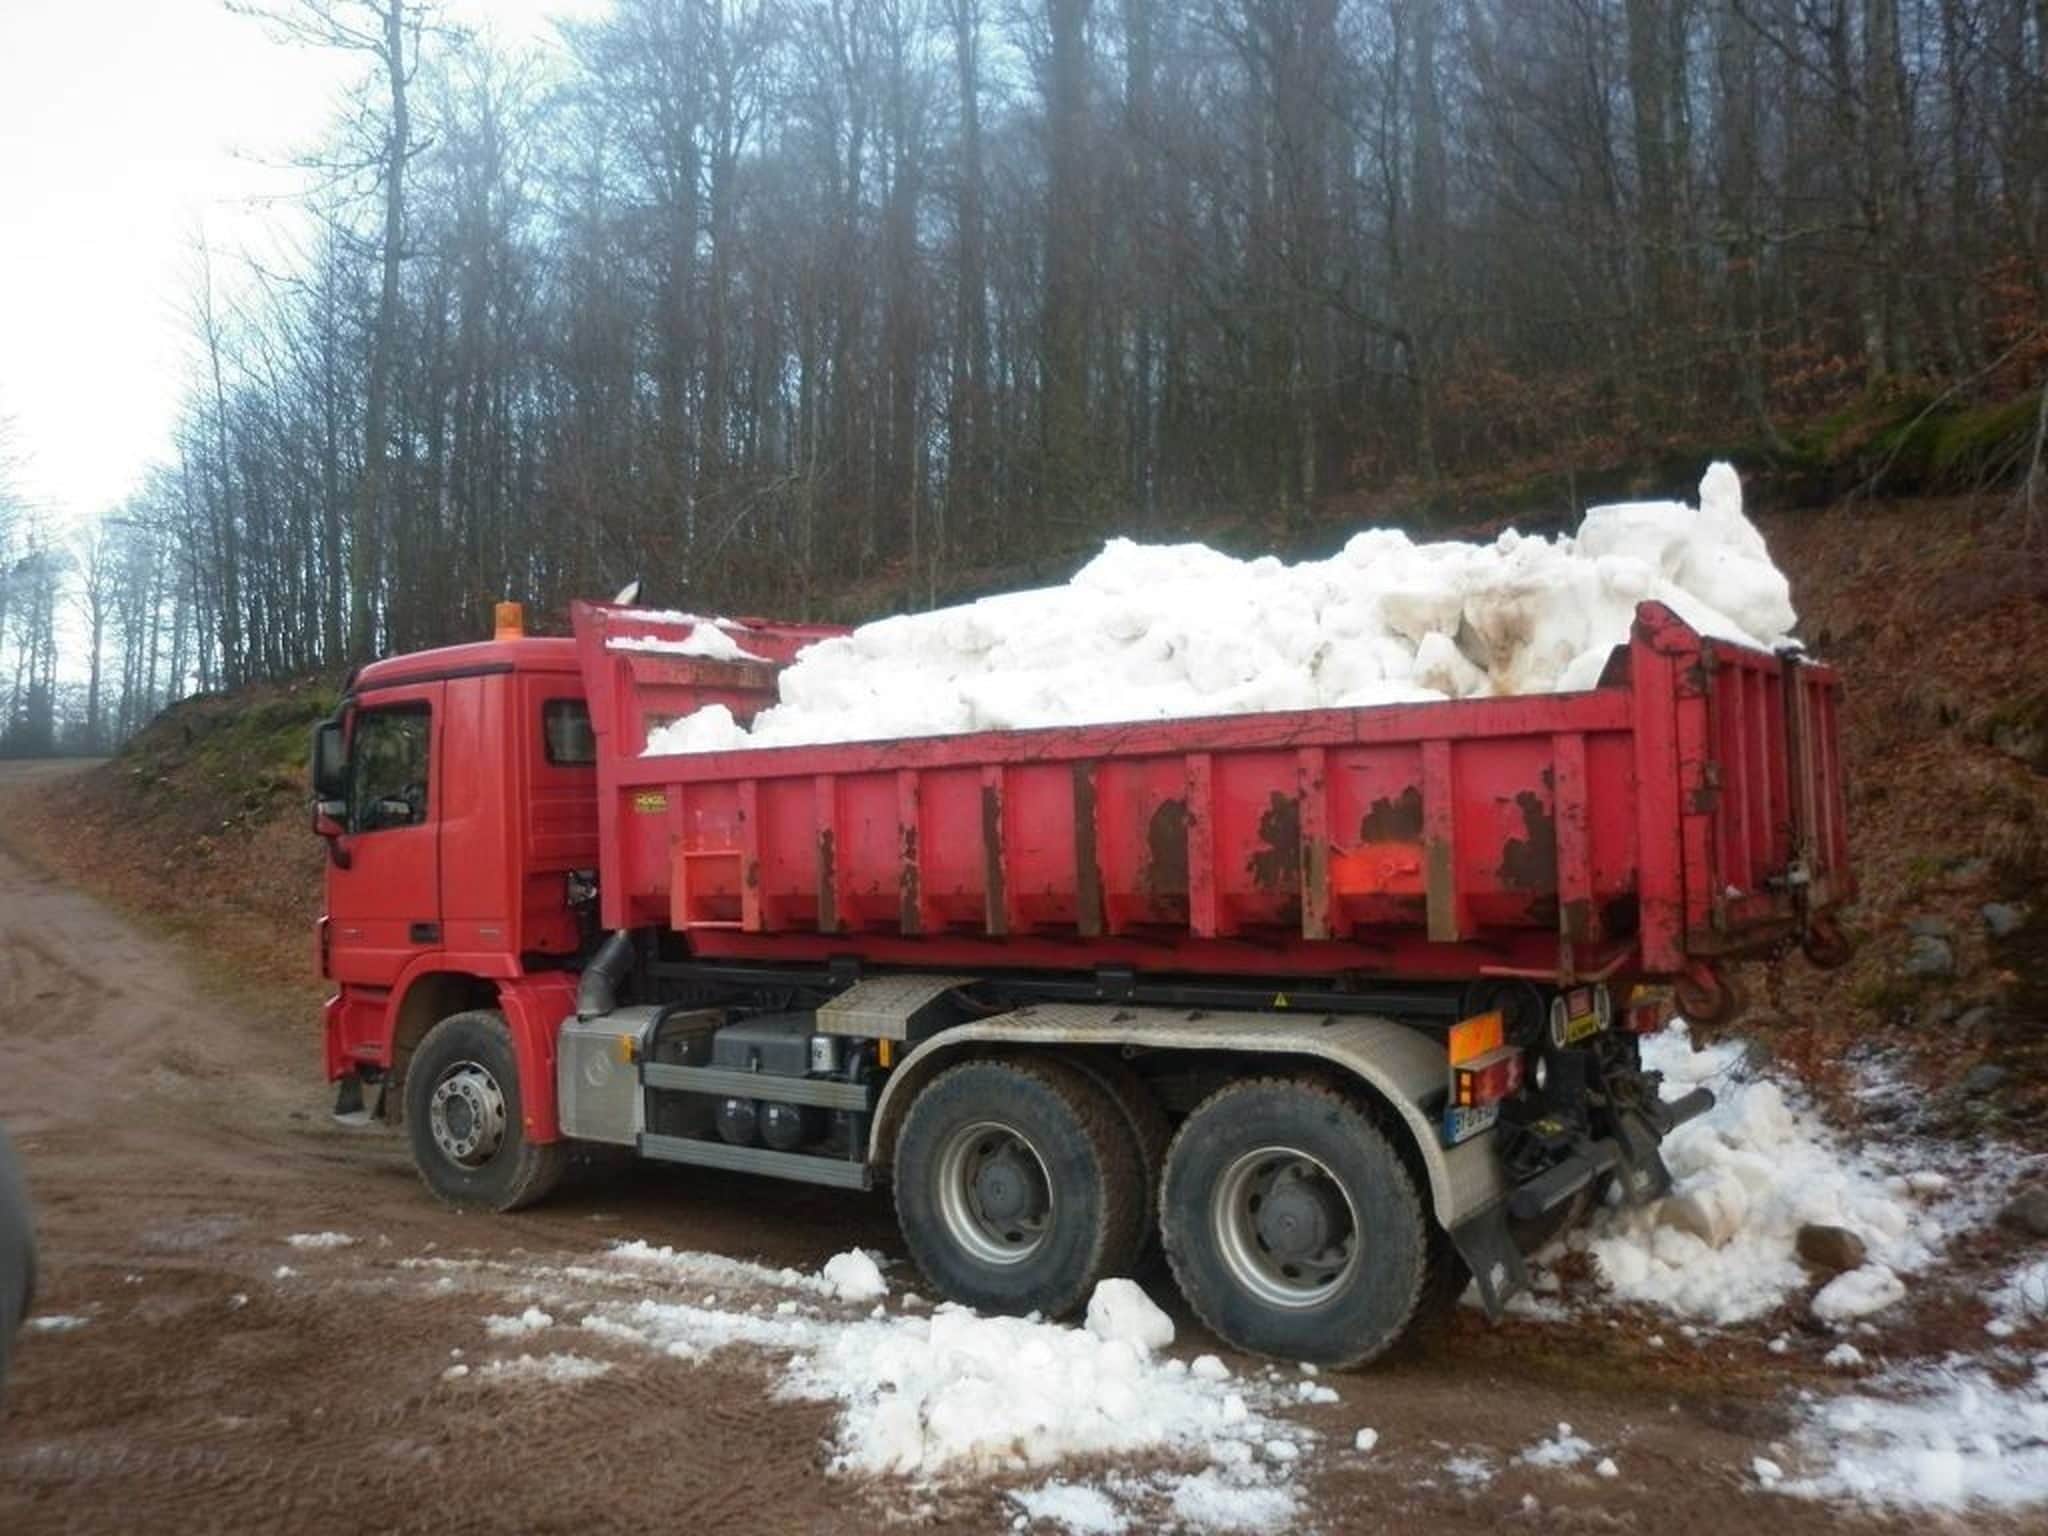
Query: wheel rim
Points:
[1286, 1228]
[466, 1113]
[995, 1196]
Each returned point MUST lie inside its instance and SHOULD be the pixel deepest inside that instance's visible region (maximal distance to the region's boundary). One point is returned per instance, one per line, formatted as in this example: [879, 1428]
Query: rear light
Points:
[1487, 1079]
[1474, 1037]
[1484, 1071]
[1649, 1010]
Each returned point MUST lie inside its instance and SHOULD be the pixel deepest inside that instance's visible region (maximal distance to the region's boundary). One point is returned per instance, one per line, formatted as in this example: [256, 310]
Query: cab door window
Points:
[388, 769]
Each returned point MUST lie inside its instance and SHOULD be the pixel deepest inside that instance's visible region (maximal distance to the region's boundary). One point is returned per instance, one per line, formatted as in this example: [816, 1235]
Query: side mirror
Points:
[330, 823]
[330, 762]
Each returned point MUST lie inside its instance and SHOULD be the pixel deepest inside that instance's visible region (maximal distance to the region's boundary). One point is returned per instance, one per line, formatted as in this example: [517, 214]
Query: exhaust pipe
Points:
[598, 992]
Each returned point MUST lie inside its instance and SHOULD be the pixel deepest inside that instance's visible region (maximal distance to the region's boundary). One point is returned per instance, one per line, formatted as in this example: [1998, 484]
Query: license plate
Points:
[1582, 1015]
[1580, 1025]
[1463, 1122]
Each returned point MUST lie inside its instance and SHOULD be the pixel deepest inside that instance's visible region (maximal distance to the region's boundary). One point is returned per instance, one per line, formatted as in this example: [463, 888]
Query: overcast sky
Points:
[126, 128]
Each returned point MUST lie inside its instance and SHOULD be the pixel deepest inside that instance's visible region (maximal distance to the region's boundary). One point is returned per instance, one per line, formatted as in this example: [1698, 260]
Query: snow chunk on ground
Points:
[1946, 1437]
[1074, 1507]
[854, 1276]
[1120, 1309]
[1564, 1449]
[532, 1320]
[551, 1368]
[321, 1240]
[1210, 1502]
[1747, 1175]
[2021, 1300]
[1858, 1293]
[1470, 1471]
[687, 1266]
[55, 1322]
[1152, 632]
[1365, 1440]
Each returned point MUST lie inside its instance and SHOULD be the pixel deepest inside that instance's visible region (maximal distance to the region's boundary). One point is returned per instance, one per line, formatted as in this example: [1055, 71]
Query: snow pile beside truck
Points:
[1154, 632]
[1723, 1246]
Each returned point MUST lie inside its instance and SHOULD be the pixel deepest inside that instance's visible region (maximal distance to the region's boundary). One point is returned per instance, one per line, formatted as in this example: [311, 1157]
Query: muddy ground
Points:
[226, 1381]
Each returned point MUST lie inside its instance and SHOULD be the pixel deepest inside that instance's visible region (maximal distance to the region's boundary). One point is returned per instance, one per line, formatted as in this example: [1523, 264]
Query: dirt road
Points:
[224, 1379]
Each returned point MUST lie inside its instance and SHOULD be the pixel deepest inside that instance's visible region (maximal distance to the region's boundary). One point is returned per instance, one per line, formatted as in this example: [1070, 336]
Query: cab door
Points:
[384, 907]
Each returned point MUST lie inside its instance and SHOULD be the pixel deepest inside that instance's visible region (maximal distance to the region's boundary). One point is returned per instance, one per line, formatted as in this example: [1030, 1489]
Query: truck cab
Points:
[457, 798]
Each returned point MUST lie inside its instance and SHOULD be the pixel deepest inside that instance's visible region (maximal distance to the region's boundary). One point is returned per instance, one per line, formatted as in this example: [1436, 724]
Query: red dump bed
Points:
[1687, 810]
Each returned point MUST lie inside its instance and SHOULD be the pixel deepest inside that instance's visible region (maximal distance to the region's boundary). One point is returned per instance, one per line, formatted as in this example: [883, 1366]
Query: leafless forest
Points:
[764, 300]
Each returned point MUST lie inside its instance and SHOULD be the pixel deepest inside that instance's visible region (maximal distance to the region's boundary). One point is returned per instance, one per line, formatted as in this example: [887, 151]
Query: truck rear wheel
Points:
[1150, 1130]
[464, 1115]
[1293, 1226]
[1018, 1186]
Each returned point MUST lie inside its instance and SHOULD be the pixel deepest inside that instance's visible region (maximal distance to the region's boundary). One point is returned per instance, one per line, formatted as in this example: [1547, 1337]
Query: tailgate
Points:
[1766, 838]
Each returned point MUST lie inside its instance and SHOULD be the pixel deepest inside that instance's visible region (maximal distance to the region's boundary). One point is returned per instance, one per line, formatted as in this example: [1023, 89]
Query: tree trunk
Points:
[364, 547]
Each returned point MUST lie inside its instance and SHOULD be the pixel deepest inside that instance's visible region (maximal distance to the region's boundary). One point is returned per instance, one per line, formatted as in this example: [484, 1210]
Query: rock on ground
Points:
[2027, 1211]
[1930, 956]
[1834, 1249]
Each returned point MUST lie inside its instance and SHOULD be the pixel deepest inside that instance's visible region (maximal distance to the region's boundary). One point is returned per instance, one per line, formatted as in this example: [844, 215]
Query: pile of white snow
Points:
[708, 638]
[1946, 1437]
[1150, 632]
[532, 1320]
[321, 1240]
[943, 1392]
[558, 1369]
[952, 1391]
[1748, 1175]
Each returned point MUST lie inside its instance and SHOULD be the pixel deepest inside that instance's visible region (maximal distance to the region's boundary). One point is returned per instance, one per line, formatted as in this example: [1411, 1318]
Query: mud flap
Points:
[1488, 1249]
[349, 1108]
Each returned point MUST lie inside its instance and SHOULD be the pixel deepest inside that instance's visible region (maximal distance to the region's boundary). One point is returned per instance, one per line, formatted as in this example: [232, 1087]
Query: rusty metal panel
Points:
[910, 870]
[1204, 917]
[1577, 918]
[1312, 791]
[1433, 842]
[995, 901]
[1087, 866]
[825, 837]
[1440, 845]
[750, 855]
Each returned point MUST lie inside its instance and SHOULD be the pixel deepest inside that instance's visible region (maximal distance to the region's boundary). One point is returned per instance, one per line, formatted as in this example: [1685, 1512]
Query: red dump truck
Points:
[1341, 1007]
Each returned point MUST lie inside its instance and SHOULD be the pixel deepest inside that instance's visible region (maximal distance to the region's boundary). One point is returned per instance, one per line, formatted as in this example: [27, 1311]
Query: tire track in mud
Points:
[236, 1440]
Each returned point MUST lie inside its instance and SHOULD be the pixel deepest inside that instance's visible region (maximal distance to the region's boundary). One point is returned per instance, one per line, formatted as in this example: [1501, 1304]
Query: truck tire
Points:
[1018, 1186]
[17, 1255]
[1294, 1227]
[1143, 1118]
[463, 1115]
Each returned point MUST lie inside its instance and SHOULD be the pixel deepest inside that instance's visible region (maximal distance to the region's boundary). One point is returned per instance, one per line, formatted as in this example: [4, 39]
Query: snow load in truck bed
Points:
[1151, 632]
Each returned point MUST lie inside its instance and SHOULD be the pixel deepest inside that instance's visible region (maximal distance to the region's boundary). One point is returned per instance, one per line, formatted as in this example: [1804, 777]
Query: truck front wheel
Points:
[1293, 1226]
[464, 1115]
[1018, 1186]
